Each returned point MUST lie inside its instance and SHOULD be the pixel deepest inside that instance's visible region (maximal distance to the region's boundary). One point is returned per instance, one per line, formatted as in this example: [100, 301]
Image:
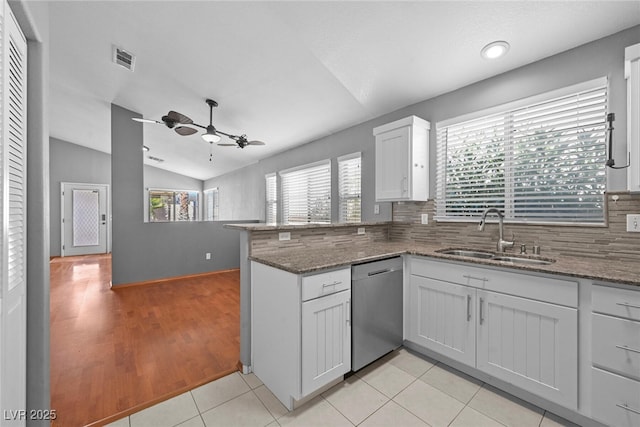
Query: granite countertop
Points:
[261, 226]
[301, 261]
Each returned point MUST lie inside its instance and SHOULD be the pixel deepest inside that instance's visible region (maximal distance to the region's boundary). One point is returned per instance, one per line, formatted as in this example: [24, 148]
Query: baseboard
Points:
[170, 279]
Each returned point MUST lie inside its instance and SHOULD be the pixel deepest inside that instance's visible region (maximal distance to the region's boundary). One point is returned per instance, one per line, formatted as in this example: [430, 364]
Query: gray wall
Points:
[242, 192]
[147, 251]
[72, 163]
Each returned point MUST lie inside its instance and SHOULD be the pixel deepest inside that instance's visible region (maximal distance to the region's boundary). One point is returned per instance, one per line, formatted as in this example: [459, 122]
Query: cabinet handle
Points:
[348, 311]
[628, 408]
[468, 308]
[626, 304]
[481, 312]
[624, 347]
[482, 279]
[328, 285]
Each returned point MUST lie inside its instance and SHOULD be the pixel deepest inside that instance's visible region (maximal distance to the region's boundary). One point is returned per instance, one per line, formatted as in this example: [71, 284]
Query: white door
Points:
[392, 164]
[13, 217]
[85, 221]
[530, 344]
[442, 318]
[326, 340]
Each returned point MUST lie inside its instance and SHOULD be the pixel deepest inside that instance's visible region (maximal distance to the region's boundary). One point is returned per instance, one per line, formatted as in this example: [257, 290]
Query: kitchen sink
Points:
[518, 260]
[467, 253]
[492, 256]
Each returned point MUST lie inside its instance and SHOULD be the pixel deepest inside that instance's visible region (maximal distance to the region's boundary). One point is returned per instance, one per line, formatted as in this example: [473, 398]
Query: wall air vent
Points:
[124, 58]
[155, 159]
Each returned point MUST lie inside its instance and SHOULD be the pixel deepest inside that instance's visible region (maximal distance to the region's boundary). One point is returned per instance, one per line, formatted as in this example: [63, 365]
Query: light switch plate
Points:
[207, 255]
[633, 223]
[424, 218]
[360, 230]
[285, 235]
[376, 209]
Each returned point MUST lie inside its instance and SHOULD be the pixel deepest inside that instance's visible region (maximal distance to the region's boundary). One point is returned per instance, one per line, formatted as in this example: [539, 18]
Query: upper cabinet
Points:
[632, 74]
[402, 160]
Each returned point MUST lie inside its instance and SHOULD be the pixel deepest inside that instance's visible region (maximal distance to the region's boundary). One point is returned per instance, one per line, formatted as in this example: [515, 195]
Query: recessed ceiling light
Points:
[145, 148]
[495, 50]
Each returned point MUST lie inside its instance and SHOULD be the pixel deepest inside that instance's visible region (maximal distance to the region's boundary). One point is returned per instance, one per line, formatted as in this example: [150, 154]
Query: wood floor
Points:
[114, 352]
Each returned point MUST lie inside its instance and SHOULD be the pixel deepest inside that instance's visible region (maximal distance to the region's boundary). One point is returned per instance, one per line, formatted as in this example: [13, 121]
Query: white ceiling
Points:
[288, 72]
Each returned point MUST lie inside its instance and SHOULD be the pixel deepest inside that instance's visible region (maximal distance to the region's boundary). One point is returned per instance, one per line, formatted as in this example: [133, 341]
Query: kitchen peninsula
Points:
[574, 286]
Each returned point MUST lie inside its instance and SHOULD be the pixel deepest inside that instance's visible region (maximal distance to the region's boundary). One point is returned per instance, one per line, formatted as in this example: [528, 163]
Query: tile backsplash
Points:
[609, 241]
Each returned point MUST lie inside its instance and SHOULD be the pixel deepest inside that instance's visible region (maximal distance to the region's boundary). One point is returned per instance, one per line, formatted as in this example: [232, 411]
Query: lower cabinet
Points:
[326, 340]
[615, 373]
[301, 330]
[443, 318]
[463, 314]
[530, 344]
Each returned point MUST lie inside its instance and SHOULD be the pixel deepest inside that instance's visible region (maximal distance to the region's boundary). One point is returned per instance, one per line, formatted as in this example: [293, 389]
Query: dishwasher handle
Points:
[375, 273]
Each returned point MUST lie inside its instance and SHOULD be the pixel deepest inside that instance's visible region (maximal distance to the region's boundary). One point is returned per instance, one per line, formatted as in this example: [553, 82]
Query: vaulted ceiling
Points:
[288, 72]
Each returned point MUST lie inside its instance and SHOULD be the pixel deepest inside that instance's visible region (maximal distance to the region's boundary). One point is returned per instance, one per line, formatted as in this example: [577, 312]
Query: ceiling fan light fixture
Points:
[495, 50]
[210, 135]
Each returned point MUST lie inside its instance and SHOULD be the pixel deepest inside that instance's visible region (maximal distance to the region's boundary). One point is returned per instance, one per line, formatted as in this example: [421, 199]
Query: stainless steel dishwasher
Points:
[376, 310]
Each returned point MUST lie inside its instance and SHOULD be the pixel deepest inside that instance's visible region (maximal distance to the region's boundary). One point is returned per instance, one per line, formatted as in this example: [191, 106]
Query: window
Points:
[539, 160]
[173, 205]
[349, 176]
[306, 193]
[271, 209]
[211, 211]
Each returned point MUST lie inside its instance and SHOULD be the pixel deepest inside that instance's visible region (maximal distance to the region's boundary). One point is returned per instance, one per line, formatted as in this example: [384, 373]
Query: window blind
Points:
[306, 193]
[542, 162]
[349, 188]
[211, 205]
[271, 216]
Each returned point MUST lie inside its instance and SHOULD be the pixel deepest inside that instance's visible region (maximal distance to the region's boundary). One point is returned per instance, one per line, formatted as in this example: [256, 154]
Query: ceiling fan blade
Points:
[185, 130]
[256, 143]
[141, 120]
[227, 145]
[179, 118]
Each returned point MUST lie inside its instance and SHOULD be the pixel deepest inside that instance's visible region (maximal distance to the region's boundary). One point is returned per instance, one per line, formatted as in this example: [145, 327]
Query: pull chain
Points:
[211, 151]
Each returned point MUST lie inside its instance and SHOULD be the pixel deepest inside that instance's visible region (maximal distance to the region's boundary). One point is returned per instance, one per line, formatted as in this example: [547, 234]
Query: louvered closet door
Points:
[13, 156]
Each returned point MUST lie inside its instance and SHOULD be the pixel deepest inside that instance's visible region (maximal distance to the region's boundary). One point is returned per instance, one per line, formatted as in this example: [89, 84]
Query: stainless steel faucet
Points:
[502, 244]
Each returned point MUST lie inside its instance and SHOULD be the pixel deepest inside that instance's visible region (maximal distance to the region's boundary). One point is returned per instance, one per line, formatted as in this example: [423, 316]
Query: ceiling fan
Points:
[184, 126]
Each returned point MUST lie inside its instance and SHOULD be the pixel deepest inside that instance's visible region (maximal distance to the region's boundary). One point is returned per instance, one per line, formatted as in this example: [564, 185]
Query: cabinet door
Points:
[392, 164]
[441, 318]
[326, 340]
[530, 344]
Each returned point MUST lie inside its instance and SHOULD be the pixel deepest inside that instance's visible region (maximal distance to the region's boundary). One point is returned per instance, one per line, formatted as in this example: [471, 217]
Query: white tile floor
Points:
[401, 389]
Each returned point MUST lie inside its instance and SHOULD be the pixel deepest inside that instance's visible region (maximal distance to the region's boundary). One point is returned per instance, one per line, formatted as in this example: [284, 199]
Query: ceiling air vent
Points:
[124, 58]
[155, 159]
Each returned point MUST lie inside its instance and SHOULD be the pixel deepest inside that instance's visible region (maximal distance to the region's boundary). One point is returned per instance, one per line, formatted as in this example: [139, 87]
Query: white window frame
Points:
[212, 204]
[350, 188]
[172, 213]
[442, 209]
[310, 207]
[271, 198]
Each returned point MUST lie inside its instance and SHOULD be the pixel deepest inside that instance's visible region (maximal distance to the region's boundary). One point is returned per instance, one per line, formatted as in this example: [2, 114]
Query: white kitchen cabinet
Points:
[326, 340]
[402, 160]
[632, 74]
[519, 328]
[443, 318]
[615, 392]
[301, 330]
[530, 344]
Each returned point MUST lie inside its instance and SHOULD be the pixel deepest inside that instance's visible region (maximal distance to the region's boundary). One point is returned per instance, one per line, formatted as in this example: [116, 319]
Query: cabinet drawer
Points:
[615, 399]
[326, 283]
[556, 291]
[617, 302]
[616, 344]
